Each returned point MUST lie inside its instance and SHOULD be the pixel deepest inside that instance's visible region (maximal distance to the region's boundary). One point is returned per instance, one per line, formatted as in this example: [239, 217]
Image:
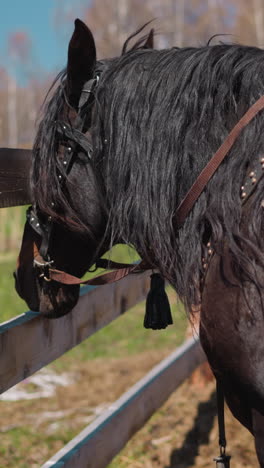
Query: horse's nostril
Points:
[55, 304]
[56, 312]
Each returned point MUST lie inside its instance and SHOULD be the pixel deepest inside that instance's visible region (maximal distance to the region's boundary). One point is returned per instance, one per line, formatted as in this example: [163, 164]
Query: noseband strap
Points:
[121, 270]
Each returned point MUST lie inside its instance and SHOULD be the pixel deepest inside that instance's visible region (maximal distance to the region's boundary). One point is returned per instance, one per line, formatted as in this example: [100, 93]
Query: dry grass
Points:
[182, 434]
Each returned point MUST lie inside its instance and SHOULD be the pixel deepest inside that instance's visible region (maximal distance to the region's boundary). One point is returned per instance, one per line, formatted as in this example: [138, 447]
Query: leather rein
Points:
[74, 135]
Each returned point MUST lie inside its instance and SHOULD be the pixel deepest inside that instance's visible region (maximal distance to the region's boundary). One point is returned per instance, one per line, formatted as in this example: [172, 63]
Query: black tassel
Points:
[158, 313]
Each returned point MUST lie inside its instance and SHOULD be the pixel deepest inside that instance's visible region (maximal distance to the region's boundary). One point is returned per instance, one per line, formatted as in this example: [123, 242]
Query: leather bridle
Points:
[72, 139]
[75, 139]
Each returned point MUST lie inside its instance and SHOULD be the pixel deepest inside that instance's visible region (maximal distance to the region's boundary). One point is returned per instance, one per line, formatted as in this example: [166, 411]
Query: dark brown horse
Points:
[121, 142]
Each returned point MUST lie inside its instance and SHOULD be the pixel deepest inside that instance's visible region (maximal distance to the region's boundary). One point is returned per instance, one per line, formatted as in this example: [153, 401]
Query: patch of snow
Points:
[46, 382]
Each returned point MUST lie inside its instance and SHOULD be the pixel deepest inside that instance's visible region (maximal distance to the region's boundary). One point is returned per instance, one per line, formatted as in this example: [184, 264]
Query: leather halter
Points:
[74, 138]
[182, 212]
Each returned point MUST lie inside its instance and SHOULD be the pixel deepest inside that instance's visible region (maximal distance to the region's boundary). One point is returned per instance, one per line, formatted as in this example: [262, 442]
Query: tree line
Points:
[176, 23]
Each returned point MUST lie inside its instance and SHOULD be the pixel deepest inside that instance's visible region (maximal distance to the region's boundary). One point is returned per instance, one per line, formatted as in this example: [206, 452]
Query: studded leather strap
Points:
[195, 191]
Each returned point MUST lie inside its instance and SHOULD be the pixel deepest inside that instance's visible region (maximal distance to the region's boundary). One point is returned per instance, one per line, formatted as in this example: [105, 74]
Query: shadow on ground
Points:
[198, 435]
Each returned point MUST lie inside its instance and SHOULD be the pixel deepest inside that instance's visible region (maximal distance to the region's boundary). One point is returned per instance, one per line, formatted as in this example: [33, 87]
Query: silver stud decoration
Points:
[208, 254]
[243, 193]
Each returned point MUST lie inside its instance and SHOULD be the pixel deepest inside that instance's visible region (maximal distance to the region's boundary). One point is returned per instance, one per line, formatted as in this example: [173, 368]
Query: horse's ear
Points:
[81, 60]
[149, 44]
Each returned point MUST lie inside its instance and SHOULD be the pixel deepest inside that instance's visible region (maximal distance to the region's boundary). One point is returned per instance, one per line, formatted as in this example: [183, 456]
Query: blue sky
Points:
[37, 18]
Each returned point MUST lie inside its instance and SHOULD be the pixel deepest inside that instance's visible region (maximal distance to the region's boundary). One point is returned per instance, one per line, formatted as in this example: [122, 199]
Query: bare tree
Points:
[20, 64]
[3, 106]
[179, 23]
[12, 111]
[112, 22]
[249, 22]
[258, 19]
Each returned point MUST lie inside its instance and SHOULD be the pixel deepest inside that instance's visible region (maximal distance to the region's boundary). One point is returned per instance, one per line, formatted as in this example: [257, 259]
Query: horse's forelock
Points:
[48, 193]
[44, 181]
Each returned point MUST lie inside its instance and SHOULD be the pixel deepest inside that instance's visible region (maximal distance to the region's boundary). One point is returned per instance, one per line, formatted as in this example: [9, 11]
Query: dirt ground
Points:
[183, 433]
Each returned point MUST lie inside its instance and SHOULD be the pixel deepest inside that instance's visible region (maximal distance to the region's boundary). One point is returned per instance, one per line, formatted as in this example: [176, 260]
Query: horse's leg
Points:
[258, 428]
[238, 405]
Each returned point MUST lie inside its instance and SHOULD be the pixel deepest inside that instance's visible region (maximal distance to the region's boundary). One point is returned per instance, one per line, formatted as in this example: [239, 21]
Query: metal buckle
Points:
[223, 461]
[44, 267]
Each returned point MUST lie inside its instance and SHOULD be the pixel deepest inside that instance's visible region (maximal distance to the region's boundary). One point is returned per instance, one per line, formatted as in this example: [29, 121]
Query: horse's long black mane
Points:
[159, 117]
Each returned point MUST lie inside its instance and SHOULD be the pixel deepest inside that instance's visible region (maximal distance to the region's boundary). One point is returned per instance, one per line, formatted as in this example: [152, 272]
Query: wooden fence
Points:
[29, 342]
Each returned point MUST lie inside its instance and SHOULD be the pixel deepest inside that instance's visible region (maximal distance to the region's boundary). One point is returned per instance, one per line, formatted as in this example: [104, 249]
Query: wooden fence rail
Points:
[29, 342]
[97, 444]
